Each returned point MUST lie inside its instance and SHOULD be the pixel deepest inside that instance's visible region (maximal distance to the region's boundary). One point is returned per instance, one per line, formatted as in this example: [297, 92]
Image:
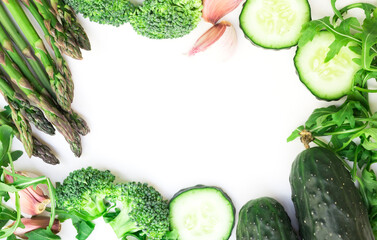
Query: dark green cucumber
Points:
[328, 204]
[264, 218]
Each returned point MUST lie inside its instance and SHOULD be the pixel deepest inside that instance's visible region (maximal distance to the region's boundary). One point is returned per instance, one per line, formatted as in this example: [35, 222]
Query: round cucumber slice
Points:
[202, 213]
[326, 80]
[274, 23]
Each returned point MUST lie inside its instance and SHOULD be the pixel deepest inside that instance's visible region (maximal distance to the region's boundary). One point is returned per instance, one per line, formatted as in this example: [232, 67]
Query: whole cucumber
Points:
[264, 218]
[327, 202]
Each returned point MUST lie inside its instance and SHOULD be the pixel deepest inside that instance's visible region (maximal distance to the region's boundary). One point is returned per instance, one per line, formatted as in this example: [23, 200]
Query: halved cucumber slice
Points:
[202, 213]
[274, 23]
[331, 80]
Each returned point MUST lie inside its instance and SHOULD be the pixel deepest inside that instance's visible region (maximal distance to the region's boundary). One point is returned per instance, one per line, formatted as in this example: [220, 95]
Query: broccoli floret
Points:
[112, 12]
[143, 211]
[161, 19]
[83, 193]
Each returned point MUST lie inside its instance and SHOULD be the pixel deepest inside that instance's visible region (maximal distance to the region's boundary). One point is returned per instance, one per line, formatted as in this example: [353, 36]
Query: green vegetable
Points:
[274, 24]
[328, 80]
[52, 114]
[326, 201]
[264, 218]
[20, 183]
[19, 103]
[347, 32]
[142, 211]
[84, 191]
[348, 130]
[104, 11]
[39, 149]
[59, 84]
[201, 212]
[70, 23]
[64, 39]
[162, 19]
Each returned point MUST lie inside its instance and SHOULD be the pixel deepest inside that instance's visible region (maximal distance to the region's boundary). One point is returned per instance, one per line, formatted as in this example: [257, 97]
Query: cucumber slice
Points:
[331, 80]
[274, 24]
[202, 213]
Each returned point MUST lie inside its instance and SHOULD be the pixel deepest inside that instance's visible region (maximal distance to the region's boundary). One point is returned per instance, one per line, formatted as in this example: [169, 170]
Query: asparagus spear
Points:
[24, 129]
[39, 149]
[44, 152]
[32, 114]
[76, 121]
[61, 63]
[69, 20]
[57, 81]
[52, 114]
[24, 48]
[65, 41]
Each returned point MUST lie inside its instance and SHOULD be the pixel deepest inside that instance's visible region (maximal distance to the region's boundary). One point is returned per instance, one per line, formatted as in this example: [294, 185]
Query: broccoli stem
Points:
[123, 224]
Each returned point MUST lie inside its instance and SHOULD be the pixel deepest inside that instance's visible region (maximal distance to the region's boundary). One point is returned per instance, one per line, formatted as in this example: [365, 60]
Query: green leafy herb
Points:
[349, 130]
[42, 234]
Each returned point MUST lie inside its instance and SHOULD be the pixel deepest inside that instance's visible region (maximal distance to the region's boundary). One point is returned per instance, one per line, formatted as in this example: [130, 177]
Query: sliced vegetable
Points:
[202, 213]
[328, 80]
[274, 23]
[264, 218]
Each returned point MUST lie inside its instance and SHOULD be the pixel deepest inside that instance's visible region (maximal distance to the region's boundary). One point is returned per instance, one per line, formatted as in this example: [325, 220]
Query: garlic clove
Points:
[219, 41]
[36, 223]
[214, 10]
[33, 201]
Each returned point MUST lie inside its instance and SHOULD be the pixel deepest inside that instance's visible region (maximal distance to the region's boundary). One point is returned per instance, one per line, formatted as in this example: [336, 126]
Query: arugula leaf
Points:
[7, 213]
[6, 136]
[342, 35]
[83, 228]
[42, 234]
[295, 134]
[369, 39]
[12, 237]
[368, 190]
[369, 142]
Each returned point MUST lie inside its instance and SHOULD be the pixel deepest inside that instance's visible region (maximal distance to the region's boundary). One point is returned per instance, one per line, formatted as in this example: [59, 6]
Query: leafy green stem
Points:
[345, 131]
[365, 90]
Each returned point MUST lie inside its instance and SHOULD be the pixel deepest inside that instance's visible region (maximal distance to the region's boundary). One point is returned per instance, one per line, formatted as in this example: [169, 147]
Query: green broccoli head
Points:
[161, 19]
[84, 192]
[143, 211]
[112, 12]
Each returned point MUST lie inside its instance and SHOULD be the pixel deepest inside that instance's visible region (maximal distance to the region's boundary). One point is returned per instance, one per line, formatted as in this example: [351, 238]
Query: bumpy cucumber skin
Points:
[327, 203]
[264, 218]
[209, 187]
[260, 44]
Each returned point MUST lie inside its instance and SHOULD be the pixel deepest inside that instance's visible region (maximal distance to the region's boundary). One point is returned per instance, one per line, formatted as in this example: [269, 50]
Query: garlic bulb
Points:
[33, 200]
[214, 10]
[36, 223]
[219, 42]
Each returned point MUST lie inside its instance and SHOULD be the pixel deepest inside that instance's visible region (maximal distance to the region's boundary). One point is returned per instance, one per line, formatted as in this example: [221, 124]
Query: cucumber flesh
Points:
[274, 23]
[202, 213]
[326, 80]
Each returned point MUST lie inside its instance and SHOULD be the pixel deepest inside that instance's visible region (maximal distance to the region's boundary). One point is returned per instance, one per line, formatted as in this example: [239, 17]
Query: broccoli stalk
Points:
[84, 192]
[143, 212]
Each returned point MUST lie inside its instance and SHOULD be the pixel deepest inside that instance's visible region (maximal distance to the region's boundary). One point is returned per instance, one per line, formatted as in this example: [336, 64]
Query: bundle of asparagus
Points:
[37, 86]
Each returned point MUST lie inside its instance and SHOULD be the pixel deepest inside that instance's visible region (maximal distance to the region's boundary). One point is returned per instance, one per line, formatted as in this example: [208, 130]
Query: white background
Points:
[159, 116]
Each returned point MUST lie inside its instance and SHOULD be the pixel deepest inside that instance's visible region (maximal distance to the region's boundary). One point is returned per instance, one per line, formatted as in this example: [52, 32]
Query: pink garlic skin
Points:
[214, 10]
[221, 34]
[36, 223]
[33, 200]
